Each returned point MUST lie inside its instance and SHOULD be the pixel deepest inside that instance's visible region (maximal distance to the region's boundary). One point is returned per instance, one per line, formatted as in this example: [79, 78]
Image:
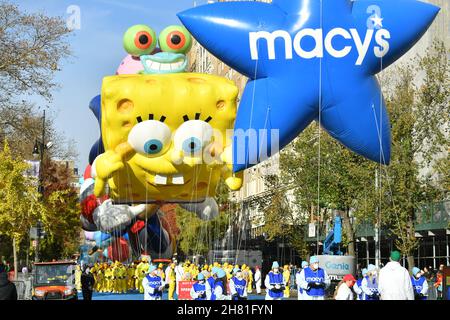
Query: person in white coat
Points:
[153, 284]
[395, 281]
[344, 289]
[258, 280]
[314, 280]
[300, 292]
[179, 273]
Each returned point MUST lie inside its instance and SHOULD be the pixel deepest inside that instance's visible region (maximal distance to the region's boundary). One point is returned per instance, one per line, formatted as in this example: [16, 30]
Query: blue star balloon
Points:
[310, 60]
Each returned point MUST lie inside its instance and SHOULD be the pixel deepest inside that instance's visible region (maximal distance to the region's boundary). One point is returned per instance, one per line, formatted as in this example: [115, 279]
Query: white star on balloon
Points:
[377, 21]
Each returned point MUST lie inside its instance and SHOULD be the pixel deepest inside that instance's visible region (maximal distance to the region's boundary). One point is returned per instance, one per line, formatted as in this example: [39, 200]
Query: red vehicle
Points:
[54, 281]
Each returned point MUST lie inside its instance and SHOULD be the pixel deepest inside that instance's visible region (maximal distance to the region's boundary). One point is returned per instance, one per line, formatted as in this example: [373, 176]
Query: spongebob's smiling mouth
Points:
[165, 180]
[164, 67]
[164, 62]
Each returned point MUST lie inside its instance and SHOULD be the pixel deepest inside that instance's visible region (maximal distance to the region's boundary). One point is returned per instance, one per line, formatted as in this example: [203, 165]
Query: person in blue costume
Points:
[238, 285]
[360, 295]
[314, 280]
[274, 283]
[153, 285]
[198, 290]
[369, 284]
[420, 284]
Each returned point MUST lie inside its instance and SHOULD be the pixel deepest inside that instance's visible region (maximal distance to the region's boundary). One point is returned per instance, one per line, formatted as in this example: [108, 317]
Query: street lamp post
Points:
[38, 150]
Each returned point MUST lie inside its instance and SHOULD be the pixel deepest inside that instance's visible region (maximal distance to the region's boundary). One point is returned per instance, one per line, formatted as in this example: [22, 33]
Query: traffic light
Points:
[40, 230]
[42, 234]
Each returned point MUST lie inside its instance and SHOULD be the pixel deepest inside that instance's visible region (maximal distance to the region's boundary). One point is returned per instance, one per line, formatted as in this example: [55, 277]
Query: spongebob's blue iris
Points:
[164, 62]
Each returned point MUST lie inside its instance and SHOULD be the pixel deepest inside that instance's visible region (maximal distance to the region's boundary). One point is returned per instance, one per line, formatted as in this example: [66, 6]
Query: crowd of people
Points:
[235, 282]
[391, 282]
[115, 277]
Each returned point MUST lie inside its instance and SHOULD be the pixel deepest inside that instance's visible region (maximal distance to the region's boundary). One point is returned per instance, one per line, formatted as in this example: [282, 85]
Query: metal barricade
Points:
[23, 288]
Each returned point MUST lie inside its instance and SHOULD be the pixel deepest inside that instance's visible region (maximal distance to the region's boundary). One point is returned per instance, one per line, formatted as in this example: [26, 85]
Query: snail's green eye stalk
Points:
[176, 39]
[139, 40]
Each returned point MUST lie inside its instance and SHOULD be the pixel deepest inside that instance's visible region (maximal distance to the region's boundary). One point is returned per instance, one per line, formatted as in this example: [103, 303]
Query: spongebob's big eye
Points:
[192, 136]
[139, 40]
[150, 137]
[175, 39]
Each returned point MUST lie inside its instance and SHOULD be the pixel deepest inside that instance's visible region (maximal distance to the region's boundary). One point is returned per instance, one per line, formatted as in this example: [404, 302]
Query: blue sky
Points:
[97, 52]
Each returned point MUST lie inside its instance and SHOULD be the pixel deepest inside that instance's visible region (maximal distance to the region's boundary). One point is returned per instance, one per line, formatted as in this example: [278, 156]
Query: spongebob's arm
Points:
[232, 180]
[108, 163]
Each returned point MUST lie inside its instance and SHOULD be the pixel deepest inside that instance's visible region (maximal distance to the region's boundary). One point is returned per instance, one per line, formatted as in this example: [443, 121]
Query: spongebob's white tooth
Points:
[155, 65]
[149, 64]
[160, 179]
[178, 179]
[165, 66]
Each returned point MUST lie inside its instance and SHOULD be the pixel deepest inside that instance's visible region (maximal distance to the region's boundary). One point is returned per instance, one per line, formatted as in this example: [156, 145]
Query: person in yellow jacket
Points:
[171, 279]
[124, 280]
[286, 279]
[160, 271]
[108, 278]
[100, 278]
[250, 280]
[141, 271]
[194, 271]
[78, 278]
[103, 282]
[96, 272]
[115, 277]
[130, 276]
[187, 266]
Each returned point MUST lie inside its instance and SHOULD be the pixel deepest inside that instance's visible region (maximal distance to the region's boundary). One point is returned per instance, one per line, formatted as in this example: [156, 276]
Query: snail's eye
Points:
[139, 40]
[175, 39]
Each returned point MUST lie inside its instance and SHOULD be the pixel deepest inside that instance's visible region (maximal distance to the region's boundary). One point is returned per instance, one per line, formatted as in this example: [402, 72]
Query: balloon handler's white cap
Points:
[314, 259]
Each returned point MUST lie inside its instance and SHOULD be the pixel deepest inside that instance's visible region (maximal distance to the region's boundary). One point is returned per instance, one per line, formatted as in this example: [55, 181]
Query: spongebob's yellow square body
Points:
[168, 122]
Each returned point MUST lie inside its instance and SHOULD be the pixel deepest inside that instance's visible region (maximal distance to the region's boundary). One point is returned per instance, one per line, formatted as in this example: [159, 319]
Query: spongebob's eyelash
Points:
[151, 117]
[197, 117]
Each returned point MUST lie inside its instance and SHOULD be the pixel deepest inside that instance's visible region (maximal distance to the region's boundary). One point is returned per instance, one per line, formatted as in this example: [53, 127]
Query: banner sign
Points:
[337, 265]
[184, 290]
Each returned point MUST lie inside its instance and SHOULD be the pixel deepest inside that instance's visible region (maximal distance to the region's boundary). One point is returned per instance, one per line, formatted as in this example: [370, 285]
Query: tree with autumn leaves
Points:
[21, 205]
[33, 48]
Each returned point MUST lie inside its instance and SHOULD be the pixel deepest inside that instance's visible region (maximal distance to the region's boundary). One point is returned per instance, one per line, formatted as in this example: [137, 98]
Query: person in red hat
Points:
[344, 288]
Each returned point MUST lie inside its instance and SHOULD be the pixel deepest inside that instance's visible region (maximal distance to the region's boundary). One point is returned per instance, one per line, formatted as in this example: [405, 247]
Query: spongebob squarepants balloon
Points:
[163, 131]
